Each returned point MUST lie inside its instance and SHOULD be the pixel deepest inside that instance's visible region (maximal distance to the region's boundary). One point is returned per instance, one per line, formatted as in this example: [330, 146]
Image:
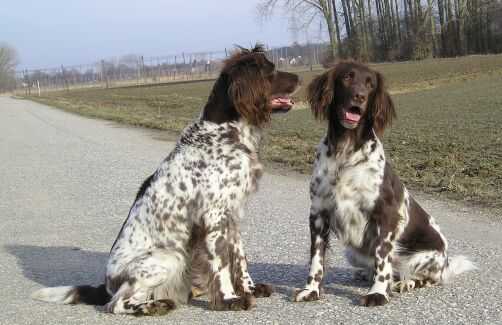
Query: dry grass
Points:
[447, 139]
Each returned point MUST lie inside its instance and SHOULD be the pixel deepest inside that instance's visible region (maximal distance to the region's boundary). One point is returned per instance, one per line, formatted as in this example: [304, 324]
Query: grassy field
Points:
[447, 139]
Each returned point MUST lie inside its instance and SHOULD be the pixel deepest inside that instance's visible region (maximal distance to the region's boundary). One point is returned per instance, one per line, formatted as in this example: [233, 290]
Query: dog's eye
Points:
[349, 76]
[369, 83]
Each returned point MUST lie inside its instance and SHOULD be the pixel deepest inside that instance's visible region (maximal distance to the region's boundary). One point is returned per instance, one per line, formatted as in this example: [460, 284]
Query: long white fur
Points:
[457, 265]
[60, 295]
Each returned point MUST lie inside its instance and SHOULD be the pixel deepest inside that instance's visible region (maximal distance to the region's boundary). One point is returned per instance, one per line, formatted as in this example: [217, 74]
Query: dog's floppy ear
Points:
[381, 107]
[320, 94]
[248, 92]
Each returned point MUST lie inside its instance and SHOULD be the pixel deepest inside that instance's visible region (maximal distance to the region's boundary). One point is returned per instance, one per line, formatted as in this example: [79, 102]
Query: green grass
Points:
[447, 139]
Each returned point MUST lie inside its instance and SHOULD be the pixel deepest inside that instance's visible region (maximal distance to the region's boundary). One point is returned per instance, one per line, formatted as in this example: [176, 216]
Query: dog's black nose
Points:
[360, 97]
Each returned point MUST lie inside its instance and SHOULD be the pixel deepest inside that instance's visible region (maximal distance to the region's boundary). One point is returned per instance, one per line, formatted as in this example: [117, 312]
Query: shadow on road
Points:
[63, 265]
[286, 278]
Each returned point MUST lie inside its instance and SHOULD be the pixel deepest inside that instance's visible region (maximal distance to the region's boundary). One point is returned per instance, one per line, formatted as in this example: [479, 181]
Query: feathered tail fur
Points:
[89, 295]
[456, 265]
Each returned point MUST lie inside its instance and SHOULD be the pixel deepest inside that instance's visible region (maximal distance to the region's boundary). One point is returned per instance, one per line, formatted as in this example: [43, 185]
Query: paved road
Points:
[66, 183]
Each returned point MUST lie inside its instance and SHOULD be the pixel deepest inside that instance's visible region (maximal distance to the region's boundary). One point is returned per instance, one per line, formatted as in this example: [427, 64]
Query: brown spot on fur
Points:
[318, 276]
[385, 249]
[263, 290]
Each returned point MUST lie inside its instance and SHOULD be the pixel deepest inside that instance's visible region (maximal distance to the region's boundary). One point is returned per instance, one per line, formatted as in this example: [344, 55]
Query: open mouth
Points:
[281, 103]
[352, 115]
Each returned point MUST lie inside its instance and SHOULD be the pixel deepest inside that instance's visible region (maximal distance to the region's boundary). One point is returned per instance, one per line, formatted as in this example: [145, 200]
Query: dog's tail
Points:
[456, 265]
[89, 295]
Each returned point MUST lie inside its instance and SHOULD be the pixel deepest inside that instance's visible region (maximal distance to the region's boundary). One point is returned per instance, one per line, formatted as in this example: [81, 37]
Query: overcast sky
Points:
[49, 33]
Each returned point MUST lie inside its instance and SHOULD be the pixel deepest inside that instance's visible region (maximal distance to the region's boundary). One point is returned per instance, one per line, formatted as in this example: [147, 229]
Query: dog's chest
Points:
[217, 167]
[348, 184]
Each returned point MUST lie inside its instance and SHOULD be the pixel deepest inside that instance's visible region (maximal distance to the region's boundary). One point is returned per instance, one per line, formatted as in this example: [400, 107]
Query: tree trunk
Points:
[337, 26]
[351, 20]
[433, 27]
[392, 20]
[364, 31]
[452, 35]
[370, 29]
[398, 21]
[413, 18]
[407, 19]
[348, 27]
[442, 26]
[328, 15]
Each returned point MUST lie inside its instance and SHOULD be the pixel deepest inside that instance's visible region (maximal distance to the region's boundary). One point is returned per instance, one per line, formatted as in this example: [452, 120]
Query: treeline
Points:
[8, 62]
[383, 30]
[379, 30]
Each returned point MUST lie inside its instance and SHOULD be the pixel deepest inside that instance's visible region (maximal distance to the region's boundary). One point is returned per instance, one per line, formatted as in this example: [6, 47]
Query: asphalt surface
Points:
[67, 182]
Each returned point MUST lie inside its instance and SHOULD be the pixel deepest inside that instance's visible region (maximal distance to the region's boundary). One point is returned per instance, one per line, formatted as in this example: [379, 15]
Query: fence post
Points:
[104, 74]
[65, 82]
[137, 71]
[142, 69]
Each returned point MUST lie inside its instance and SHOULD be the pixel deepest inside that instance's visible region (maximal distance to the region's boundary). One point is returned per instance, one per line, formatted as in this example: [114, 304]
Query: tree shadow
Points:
[65, 265]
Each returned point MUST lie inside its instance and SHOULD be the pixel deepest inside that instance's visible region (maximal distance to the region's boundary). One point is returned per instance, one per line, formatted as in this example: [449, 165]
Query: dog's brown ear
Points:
[320, 94]
[248, 91]
[381, 107]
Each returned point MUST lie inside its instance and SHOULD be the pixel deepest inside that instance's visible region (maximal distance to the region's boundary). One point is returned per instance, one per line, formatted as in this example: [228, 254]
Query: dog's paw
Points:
[404, 286]
[262, 290]
[374, 299]
[306, 295]
[197, 292]
[245, 302]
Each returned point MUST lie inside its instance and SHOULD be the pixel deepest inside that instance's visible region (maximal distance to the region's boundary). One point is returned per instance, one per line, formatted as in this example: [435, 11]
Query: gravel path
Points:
[67, 183]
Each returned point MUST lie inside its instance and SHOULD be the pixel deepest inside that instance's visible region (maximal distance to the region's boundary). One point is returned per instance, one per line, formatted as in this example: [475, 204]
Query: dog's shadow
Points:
[286, 278]
[64, 265]
[61, 265]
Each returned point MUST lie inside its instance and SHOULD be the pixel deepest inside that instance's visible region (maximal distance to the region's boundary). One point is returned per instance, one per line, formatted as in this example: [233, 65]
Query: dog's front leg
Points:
[243, 282]
[383, 277]
[319, 236]
[222, 295]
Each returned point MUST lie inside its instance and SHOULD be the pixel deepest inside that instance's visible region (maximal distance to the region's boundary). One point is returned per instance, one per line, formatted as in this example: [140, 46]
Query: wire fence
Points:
[131, 70]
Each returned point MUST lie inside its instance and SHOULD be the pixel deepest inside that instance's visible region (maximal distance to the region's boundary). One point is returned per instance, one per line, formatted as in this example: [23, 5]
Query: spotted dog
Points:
[356, 194]
[183, 227]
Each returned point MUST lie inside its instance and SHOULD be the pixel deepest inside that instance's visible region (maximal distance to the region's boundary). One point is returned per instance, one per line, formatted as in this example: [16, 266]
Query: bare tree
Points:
[8, 63]
[308, 10]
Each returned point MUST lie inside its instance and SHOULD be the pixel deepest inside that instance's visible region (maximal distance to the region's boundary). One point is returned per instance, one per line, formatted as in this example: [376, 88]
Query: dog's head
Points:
[351, 95]
[250, 87]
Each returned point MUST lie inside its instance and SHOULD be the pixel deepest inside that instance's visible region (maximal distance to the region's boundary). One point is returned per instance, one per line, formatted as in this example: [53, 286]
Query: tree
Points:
[8, 63]
[308, 10]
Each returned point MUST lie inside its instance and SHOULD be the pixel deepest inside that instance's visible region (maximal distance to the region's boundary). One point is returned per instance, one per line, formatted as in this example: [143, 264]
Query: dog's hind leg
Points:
[151, 284]
[421, 269]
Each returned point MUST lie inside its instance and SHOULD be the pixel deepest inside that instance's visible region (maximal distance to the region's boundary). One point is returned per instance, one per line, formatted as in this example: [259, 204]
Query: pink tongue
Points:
[352, 117]
[282, 101]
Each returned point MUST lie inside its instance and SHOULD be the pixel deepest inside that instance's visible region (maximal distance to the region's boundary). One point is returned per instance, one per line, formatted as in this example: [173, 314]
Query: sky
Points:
[48, 33]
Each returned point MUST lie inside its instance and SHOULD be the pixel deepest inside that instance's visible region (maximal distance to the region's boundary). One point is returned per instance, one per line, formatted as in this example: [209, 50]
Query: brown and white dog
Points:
[355, 193]
[183, 227]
